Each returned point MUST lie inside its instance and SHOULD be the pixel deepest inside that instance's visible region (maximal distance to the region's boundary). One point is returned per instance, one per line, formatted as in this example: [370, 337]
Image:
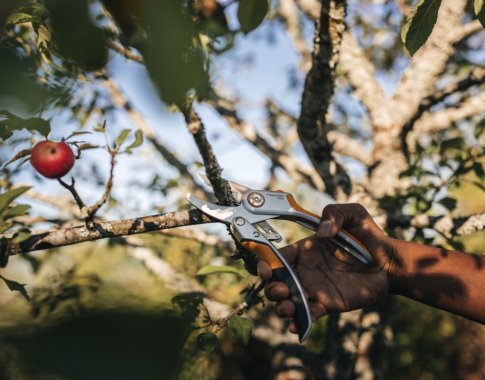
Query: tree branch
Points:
[419, 80]
[349, 147]
[289, 13]
[476, 77]
[221, 188]
[120, 100]
[317, 95]
[444, 224]
[99, 230]
[299, 172]
[361, 74]
[435, 121]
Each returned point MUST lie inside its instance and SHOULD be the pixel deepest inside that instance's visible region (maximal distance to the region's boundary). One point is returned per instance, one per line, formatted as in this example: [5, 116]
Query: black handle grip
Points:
[302, 317]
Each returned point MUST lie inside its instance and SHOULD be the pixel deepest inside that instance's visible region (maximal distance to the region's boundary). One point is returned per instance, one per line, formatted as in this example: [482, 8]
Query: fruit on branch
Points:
[52, 159]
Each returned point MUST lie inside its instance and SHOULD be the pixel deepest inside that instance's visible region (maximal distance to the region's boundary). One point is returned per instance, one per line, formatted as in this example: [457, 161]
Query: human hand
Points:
[334, 280]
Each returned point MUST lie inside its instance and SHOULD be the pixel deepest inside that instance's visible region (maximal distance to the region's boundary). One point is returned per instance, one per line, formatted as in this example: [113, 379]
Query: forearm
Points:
[449, 280]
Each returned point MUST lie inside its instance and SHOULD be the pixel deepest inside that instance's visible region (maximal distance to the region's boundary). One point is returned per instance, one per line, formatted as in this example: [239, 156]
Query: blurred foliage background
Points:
[99, 71]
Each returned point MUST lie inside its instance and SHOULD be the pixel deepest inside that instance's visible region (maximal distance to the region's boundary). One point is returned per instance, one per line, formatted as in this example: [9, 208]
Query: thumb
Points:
[336, 216]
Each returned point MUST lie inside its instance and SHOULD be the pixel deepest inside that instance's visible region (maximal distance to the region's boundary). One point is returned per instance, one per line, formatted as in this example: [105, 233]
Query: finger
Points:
[285, 309]
[335, 216]
[290, 252]
[264, 270]
[317, 310]
[277, 291]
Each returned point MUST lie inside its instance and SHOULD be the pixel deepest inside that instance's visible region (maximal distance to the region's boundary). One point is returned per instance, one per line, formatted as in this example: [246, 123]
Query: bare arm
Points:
[449, 280]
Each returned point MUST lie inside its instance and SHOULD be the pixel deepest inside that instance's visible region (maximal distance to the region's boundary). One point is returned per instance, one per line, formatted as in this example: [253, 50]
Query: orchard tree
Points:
[389, 114]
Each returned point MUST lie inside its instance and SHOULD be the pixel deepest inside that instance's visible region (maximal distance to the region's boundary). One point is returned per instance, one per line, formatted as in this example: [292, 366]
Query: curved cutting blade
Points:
[236, 188]
[221, 213]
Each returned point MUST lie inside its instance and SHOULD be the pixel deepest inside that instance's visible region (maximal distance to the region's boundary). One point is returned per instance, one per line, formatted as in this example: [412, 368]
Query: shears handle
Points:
[344, 239]
[282, 272]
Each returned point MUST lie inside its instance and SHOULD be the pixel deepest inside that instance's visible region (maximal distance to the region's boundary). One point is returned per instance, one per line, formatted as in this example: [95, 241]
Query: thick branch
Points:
[349, 147]
[435, 121]
[419, 80]
[444, 224]
[476, 77]
[100, 230]
[289, 13]
[317, 94]
[361, 74]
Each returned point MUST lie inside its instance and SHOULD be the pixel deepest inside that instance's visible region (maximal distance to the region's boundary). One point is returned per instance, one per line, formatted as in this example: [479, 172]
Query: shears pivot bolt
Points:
[255, 199]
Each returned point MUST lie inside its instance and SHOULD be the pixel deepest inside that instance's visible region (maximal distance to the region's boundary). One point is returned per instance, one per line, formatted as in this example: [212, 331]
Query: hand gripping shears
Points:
[248, 224]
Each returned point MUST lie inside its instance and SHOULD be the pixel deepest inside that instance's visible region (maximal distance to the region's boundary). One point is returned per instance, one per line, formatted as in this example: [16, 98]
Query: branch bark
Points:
[476, 77]
[221, 188]
[316, 98]
[99, 230]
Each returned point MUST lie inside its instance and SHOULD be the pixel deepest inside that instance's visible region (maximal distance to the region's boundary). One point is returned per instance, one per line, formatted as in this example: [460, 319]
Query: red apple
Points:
[52, 159]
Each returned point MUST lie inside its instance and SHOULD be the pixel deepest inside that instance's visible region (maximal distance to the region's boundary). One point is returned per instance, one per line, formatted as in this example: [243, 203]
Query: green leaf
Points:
[207, 341]
[7, 197]
[480, 11]
[18, 17]
[138, 141]
[16, 210]
[448, 202]
[23, 153]
[5, 226]
[419, 24]
[12, 122]
[14, 286]
[211, 269]
[479, 128]
[87, 146]
[122, 137]
[242, 329]
[251, 13]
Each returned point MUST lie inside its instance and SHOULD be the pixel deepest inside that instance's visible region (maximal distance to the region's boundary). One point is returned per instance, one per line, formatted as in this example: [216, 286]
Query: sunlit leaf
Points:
[419, 24]
[122, 137]
[18, 17]
[9, 196]
[480, 11]
[211, 269]
[135, 144]
[251, 13]
[21, 154]
[479, 128]
[242, 328]
[15, 211]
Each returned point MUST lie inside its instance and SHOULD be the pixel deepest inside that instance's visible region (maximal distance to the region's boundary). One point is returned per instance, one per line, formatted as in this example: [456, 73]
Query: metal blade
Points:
[221, 213]
[236, 188]
[226, 214]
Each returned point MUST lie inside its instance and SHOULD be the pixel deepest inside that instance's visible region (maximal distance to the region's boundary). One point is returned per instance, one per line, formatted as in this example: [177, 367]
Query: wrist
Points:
[395, 267]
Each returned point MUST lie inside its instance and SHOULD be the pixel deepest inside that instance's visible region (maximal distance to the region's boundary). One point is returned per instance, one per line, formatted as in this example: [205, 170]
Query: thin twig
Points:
[75, 195]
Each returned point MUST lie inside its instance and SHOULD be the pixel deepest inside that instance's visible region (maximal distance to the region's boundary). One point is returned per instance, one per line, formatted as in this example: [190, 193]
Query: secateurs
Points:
[248, 224]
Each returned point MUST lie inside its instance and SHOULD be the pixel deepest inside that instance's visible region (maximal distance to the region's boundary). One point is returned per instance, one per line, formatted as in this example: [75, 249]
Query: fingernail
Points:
[325, 228]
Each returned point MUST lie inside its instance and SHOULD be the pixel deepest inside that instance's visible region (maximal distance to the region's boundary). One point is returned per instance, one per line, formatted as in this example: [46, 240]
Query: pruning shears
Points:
[247, 222]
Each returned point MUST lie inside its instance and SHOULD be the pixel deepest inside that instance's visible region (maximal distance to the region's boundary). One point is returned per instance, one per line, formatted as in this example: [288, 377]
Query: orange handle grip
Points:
[264, 252]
